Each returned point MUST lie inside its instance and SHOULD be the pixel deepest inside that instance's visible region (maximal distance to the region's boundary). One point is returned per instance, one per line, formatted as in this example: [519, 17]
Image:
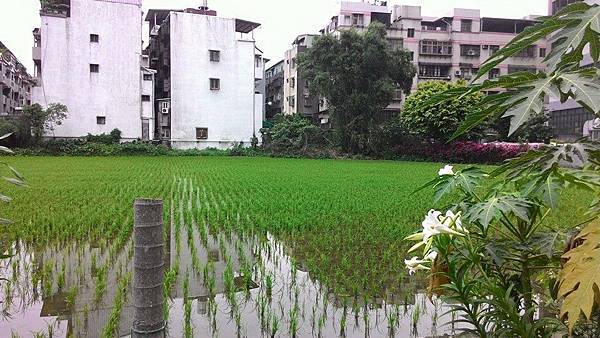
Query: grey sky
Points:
[282, 20]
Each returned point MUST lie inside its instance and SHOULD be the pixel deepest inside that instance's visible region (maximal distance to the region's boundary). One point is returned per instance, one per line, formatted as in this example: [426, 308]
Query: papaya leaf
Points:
[491, 209]
[580, 21]
[579, 285]
[584, 87]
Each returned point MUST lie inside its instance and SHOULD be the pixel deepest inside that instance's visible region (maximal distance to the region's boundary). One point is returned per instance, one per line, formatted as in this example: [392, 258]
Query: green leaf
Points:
[491, 209]
[574, 36]
[528, 101]
[15, 181]
[584, 87]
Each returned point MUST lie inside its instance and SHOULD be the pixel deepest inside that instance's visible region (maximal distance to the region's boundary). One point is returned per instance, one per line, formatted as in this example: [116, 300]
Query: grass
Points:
[344, 221]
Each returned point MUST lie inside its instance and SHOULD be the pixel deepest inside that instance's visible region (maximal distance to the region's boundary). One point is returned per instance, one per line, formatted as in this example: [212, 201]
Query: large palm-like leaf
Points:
[499, 206]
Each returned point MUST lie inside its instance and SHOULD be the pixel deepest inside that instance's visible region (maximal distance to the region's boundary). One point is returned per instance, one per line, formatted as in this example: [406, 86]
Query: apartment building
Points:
[445, 48]
[88, 56]
[274, 90]
[296, 93]
[207, 68]
[15, 83]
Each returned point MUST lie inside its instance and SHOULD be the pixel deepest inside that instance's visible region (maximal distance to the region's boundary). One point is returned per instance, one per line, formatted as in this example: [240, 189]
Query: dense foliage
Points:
[494, 254]
[357, 74]
[438, 122]
[42, 120]
[291, 133]
[458, 152]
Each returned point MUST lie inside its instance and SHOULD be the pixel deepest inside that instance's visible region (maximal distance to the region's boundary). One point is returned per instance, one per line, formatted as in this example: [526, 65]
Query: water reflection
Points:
[224, 281]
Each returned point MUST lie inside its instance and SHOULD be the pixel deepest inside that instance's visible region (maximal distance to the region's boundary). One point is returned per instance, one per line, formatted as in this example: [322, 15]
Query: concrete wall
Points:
[227, 113]
[66, 54]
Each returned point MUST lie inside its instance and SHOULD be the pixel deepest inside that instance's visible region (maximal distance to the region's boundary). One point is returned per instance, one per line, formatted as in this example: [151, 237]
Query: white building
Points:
[207, 67]
[87, 56]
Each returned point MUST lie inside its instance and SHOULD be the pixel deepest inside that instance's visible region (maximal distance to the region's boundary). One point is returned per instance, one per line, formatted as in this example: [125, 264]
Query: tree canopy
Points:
[438, 122]
[357, 74]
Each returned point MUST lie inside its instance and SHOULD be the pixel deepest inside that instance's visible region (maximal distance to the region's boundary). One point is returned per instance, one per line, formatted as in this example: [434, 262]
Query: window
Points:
[358, 20]
[529, 52]
[100, 119]
[201, 133]
[411, 33]
[494, 49]
[494, 73]
[466, 25]
[147, 77]
[215, 84]
[215, 56]
[145, 98]
[395, 44]
[434, 71]
[412, 56]
[292, 101]
[292, 82]
[470, 50]
[434, 47]
[94, 38]
[258, 61]
[542, 52]
[165, 132]
[94, 68]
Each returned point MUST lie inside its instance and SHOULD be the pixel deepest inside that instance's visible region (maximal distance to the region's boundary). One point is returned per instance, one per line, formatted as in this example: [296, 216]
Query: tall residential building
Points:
[15, 83]
[88, 56]
[274, 98]
[556, 5]
[296, 93]
[207, 69]
[444, 48]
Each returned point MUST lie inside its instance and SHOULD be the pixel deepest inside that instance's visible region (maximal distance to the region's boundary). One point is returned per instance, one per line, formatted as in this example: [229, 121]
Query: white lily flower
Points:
[415, 264]
[454, 221]
[431, 225]
[447, 170]
[431, 256]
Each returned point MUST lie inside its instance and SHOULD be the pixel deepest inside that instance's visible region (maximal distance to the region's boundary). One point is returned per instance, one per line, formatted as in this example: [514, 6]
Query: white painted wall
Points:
[228, 113]
[67, 53]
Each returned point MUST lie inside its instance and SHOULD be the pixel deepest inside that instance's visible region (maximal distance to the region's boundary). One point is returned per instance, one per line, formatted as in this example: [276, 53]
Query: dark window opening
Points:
[94, 38]
[215, 56]
[542, 52]
[100, 120]
[145, 98]
[466, 25]
[411, 32]
[147, 77]
[215, 84]
[470, 50]
[201, 133]
[94, 68]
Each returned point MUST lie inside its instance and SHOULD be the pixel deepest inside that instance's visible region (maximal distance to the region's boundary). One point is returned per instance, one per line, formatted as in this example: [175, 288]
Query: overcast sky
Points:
[282, 20]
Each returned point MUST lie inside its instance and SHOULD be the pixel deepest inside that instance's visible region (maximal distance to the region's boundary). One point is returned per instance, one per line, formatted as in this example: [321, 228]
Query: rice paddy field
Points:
[256, 247]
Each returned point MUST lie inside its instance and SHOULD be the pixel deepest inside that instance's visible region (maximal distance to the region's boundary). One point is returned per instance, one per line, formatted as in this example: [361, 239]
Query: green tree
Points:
[291, 133]
[41, 120]
[357, 74]
[438, 122]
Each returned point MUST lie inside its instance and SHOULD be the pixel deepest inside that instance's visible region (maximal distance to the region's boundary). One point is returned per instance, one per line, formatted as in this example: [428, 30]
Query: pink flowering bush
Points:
[461, 152]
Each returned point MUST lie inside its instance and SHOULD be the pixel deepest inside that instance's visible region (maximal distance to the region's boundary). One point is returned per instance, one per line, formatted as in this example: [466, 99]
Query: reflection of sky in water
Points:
[296, 300]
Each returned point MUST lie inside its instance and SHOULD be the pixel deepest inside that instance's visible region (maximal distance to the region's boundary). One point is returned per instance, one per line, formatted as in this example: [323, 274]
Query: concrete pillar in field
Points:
[148, 269]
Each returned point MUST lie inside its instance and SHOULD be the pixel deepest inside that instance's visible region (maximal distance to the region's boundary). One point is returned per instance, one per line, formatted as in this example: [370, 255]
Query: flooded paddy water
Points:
[223, 279]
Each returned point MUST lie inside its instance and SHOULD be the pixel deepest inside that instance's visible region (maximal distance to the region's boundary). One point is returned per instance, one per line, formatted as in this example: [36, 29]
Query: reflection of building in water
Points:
[87, 319]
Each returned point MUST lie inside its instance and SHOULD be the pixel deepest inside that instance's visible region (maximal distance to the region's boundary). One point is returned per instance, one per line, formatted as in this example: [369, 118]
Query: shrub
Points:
[112, 138]
[460, 152]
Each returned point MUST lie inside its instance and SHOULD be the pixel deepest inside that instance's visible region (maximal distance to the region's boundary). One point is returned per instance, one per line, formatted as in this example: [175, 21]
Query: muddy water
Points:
[70, 291]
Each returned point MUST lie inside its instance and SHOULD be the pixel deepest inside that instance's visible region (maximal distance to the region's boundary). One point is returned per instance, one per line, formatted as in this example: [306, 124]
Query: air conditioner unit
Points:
[164, 110]
[458, 73]
[485, 47]
[471, 53]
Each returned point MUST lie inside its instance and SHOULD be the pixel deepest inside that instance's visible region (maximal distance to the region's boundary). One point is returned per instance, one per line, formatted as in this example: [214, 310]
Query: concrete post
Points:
[148, 269]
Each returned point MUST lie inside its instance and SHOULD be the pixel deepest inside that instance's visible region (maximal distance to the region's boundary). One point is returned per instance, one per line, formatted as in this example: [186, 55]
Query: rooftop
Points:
[241, 26]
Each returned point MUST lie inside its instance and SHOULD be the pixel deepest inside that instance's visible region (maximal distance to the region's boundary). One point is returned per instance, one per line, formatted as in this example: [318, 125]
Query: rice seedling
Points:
[308, 232]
